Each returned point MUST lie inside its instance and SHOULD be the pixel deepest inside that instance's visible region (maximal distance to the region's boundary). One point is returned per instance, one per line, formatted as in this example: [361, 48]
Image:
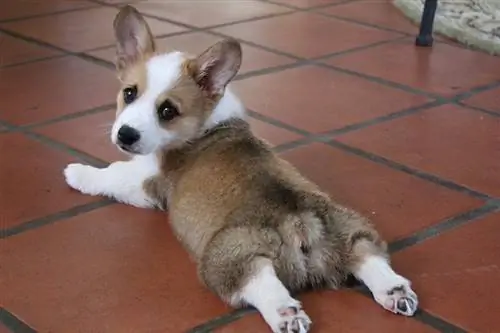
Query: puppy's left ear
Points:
[134, 40]
[217, 66]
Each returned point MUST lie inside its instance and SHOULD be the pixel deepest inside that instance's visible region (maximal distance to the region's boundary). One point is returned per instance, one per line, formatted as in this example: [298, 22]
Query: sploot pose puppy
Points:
[256, 228]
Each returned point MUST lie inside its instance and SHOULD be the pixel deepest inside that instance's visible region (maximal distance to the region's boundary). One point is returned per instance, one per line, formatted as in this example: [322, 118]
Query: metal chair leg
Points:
[424, 37]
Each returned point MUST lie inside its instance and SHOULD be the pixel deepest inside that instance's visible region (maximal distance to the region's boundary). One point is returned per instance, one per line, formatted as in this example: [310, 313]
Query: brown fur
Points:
[231, 200]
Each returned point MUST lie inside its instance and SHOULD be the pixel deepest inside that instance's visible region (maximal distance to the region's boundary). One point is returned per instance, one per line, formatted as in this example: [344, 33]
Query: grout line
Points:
[359, 48]
[92, 5]
[445, 226]
[157, 38]
[262, 47]
[14, 324]
[280, 149]
[94, 161]
[380, 80]
[223, 320]
[300, 61]
[69, 117]
[89, 159]
[269, 70]
[481, 110]
[476, 90]
[56, 217]
[277, 123]
[408, 170]
[31, 61]
[365, 24]
[435, 322]
[385, 118]
[41, 43]
[195, 28]
[95, 60]
[34, 41]
[221, 25]
[311, 8]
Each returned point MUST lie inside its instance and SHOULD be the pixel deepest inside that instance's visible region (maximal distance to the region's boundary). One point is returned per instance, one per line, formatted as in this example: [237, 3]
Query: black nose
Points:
[128, 136]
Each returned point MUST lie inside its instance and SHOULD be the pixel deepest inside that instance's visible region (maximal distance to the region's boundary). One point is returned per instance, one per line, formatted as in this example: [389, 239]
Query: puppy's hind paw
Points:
[400, 299]
[83, 178]
[294, 320]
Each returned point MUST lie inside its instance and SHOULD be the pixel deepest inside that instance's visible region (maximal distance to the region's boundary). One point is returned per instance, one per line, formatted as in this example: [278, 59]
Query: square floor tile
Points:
[47, 89]
[33, 185]
[381, 13]
[488, 100]
[197, 42]
[83, 30]
[443, 69]
[15, 9]
[116, 269]
[398, 204]
[338, 311]
[457, 274]
[307, 3]
[15, 51]
[319, 99]
[209, 13]
[89, 134]
[307, 35]
[455, 143]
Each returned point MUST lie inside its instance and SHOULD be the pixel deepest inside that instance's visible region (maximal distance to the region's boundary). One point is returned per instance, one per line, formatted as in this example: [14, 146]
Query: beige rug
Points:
[475, 23]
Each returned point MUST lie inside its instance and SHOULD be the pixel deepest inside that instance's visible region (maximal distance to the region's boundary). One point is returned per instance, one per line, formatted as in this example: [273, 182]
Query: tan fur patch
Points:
[193, 104]
[135, 75]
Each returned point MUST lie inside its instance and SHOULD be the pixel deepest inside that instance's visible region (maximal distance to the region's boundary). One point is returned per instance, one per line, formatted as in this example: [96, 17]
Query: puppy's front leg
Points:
[122, 181]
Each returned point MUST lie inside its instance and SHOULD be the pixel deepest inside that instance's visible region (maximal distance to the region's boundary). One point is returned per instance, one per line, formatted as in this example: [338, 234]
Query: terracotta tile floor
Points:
[408, 136]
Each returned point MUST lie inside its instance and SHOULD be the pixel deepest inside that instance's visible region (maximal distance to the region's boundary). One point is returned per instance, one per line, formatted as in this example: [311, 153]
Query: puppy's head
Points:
[165, 99]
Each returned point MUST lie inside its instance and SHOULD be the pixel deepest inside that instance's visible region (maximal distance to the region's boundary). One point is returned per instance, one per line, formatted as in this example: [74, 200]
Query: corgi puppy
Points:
[257, 230]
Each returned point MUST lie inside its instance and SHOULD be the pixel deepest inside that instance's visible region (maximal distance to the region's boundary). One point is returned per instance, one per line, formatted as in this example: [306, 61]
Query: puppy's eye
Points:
[167, 111]
[129, 94]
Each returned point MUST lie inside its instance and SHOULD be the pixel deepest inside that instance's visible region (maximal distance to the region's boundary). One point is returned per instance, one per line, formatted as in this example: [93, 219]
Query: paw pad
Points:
[294, 320]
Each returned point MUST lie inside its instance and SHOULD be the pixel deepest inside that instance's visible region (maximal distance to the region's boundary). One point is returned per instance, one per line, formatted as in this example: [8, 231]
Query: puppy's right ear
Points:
[134, 40]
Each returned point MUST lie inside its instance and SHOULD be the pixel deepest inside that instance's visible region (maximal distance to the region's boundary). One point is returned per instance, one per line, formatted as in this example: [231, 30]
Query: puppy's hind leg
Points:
[237, 267]
[371, 265]
[269, 296]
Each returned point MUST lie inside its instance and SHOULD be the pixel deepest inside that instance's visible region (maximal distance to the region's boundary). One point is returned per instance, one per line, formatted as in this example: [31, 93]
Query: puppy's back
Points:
[229, 177]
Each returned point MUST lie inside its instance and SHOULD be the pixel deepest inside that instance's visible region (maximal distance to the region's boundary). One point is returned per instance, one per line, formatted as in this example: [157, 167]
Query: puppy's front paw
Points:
[399, 298]
[83, 178]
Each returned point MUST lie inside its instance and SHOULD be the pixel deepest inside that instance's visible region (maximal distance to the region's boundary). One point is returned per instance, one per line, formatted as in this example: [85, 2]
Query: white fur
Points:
[388, 287]
[120, 180]
[268, 295]
[228, 107]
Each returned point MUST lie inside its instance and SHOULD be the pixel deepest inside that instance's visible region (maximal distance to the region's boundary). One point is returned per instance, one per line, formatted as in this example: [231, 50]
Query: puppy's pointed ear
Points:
[134, 39]
[217, 66]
